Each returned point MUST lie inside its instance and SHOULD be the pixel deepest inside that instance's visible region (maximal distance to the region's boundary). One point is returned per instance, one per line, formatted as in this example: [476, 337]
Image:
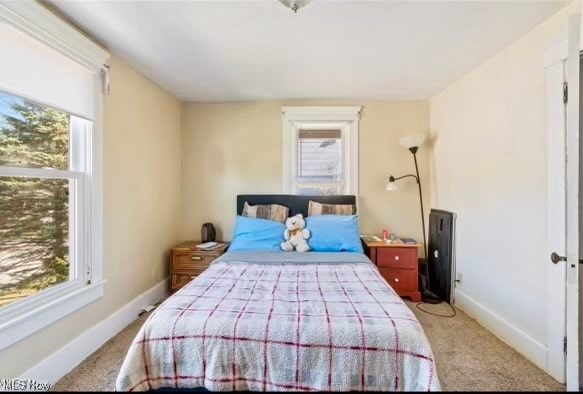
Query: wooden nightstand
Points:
[187, 262]
[398, 264]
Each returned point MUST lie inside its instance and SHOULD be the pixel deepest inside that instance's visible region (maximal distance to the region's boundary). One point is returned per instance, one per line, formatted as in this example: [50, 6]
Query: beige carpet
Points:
[468, 358]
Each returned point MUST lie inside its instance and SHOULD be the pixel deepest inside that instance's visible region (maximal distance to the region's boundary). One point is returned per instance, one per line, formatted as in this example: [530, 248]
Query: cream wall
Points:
[236, 148]
[489, 166]
[141, 179]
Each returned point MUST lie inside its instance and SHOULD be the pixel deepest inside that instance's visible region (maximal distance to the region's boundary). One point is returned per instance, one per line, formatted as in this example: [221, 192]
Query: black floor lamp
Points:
[413, 142]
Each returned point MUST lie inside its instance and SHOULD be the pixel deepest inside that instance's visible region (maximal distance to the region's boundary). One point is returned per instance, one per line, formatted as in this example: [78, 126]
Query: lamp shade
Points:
[392, 186]
[409, 141]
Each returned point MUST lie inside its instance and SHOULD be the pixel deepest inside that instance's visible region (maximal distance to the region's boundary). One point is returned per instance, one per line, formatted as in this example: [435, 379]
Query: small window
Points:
[320, 163]
[40, 197]
[320, 150]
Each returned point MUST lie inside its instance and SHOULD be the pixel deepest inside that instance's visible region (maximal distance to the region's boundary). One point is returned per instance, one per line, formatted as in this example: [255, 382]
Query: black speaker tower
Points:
[440, 256]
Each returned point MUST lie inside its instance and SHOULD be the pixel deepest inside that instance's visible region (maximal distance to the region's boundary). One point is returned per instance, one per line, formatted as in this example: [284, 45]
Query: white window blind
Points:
[320, 162]
[37, 72]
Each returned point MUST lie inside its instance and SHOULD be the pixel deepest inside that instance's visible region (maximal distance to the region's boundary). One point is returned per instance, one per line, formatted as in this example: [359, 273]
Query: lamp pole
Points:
[414, 152]
[427, 295]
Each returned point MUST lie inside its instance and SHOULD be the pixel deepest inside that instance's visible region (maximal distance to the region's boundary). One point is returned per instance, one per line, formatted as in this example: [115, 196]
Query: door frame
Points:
[573, 201]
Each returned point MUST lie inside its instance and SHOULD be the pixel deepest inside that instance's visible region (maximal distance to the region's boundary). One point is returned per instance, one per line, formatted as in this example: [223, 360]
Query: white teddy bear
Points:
[295, 234]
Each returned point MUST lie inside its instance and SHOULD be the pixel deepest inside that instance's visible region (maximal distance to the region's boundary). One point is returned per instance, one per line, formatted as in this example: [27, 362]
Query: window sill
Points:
[22, 323]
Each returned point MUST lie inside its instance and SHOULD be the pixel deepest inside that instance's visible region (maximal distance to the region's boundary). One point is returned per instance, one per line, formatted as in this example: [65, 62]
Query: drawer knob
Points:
[397, 280]
[197, 257]
[397, 258]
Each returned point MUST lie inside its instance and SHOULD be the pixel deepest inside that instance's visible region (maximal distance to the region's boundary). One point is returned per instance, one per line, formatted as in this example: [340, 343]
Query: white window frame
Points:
[343, 118]
[35, 312]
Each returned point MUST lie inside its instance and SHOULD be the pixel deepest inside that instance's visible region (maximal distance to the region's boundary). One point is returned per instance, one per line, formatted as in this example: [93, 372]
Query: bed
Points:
[265, 320]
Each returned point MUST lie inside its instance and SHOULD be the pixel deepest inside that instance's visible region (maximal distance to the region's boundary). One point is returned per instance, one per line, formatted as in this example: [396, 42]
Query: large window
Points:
[320, 150]
[41, 196]
[50, 169]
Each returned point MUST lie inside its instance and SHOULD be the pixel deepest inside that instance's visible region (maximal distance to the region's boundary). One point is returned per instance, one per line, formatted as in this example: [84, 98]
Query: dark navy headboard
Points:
[296, 203]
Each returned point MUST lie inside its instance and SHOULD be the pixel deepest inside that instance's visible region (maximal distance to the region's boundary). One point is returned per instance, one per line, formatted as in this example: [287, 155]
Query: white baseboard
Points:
[61, 362]
[513, 336]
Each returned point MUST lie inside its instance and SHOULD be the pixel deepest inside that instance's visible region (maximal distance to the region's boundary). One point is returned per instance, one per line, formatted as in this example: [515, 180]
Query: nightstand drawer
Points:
[400, 280]
[179, 279]
[404, 258]
[189, 261]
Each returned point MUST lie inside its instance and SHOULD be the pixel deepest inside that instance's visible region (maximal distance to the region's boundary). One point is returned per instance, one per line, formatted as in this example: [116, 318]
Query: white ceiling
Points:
[260, 50]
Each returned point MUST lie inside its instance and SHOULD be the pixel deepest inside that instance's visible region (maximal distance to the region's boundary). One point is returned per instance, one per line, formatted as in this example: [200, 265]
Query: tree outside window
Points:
[34, 211]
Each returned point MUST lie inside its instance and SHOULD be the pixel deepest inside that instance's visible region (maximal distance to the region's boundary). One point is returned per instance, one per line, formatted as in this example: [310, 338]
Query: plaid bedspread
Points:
[282, 327]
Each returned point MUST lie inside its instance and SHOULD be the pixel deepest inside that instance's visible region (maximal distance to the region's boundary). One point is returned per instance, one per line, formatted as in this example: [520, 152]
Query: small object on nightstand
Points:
[208, 245]
[398, 263]
[409, 241]
[208, 232]
[370, 238]
[188, 261]
[385, 235]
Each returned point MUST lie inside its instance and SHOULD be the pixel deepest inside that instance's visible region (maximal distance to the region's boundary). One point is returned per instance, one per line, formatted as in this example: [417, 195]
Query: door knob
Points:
[555, 258]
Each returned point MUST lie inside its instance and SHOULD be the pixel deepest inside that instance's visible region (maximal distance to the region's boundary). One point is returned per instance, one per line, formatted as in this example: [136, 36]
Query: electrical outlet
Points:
[458, 278]
[154, 271]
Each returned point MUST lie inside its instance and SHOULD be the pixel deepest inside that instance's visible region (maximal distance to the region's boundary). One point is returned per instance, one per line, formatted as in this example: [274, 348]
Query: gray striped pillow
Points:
[276, 212]
[316, 208]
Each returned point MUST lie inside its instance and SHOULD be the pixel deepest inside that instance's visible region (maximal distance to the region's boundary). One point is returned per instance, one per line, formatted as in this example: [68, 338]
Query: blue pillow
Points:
[257, 234]
[334, 233]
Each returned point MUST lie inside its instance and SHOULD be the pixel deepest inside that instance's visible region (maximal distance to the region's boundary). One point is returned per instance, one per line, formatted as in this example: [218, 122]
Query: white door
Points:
[562, 67]
[556, 70]
[572, 205]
